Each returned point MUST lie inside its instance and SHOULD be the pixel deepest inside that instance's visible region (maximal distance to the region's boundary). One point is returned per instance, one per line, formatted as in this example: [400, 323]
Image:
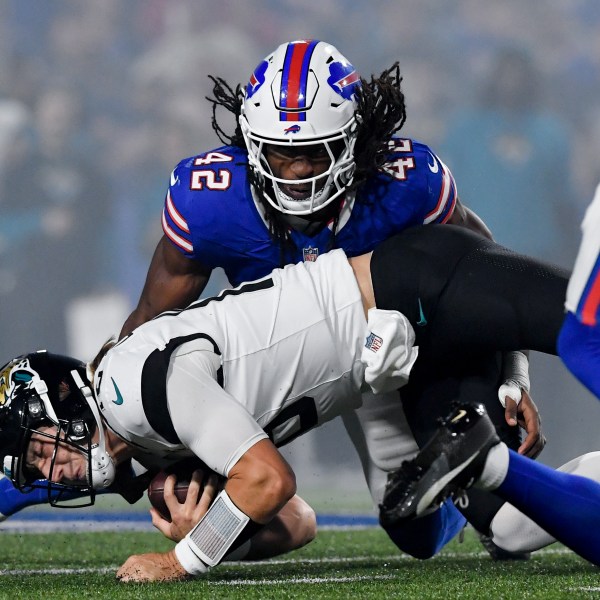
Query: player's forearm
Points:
[173, 281]
[145, 311]
[159, 296]
[226, 525]
[135, 319]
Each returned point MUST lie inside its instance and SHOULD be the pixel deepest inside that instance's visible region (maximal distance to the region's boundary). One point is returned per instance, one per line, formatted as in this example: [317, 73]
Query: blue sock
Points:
[567, 506]
[12, 500]
[426, 536]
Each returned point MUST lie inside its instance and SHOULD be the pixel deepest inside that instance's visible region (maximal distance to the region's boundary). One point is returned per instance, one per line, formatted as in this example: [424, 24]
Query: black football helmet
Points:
[43, 389]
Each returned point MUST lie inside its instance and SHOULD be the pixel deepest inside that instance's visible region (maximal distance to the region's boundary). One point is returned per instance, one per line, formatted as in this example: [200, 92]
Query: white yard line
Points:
[303, 580]
[385, 560]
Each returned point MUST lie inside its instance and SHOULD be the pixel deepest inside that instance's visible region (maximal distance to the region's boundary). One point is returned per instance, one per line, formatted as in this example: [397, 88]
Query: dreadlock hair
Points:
[380, 112]
[230, 99]
[225, 96]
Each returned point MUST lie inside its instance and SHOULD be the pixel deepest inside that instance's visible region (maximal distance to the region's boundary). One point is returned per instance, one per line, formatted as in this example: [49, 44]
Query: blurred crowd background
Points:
[100, 99]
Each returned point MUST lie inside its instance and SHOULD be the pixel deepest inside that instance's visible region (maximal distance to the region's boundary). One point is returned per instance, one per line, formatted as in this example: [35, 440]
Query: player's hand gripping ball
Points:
[183, 470]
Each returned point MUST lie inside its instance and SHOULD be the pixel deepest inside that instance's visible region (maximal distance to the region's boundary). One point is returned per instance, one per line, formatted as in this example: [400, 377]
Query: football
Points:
[183, 471]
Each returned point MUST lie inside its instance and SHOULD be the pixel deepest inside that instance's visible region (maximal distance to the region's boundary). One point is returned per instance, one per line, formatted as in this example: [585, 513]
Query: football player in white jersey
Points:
[230, 378]
[314, 162]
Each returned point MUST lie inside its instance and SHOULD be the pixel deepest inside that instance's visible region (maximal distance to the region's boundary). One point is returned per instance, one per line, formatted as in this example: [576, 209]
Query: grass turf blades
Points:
[338, 564]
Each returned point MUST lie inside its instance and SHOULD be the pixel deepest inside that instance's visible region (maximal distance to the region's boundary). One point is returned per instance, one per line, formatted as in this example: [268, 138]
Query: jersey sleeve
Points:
[174, 221]
[583, 292]
[442, 190]
[208, 420]
[422, 183]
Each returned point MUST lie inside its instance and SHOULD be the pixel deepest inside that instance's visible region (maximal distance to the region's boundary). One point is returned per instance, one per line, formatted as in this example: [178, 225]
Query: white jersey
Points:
[583, 292]
[271, 358]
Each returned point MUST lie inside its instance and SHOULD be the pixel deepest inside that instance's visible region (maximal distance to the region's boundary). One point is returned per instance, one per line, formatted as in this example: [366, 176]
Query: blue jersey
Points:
[210, 214]
[579, 339]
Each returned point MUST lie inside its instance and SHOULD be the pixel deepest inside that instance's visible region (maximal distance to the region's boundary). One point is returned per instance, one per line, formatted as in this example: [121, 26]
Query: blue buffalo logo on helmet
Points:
[15, 376]
[343, 79]
[256, 79]
[292, 129]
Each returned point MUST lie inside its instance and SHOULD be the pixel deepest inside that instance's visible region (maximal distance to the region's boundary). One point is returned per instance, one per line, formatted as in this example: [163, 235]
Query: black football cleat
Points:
[501, 554]
[448, 464]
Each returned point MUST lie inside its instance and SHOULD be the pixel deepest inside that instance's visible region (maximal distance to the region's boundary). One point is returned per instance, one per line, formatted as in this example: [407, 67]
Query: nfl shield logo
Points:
[373, 342]
[310, 254]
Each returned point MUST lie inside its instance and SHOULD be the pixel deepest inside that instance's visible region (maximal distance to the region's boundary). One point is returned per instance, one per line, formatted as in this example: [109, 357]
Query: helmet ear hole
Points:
[77, 431]
[302, 95]
[35, 408]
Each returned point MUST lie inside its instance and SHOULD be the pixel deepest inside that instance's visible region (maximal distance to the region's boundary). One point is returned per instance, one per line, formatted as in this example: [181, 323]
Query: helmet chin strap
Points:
[102, 465]
[103, 468]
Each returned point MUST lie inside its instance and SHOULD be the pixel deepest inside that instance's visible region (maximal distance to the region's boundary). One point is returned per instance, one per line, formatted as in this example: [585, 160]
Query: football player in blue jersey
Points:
[579, 340]
[314, 163]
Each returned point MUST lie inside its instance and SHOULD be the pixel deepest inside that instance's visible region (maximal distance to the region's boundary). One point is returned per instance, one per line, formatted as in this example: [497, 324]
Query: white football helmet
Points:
[302, 95]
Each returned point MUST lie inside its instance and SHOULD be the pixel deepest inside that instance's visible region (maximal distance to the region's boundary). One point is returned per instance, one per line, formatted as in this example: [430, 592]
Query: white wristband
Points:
[189, 561]
[516, 377]
[207, 543]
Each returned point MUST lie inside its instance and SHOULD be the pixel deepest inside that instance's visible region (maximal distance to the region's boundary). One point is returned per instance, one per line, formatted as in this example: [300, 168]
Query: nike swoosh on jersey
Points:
[119, 399]
[435, 167]
[175, 179]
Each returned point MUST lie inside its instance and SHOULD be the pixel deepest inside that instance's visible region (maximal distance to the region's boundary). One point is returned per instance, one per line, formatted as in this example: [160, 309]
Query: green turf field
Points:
[338, 564]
